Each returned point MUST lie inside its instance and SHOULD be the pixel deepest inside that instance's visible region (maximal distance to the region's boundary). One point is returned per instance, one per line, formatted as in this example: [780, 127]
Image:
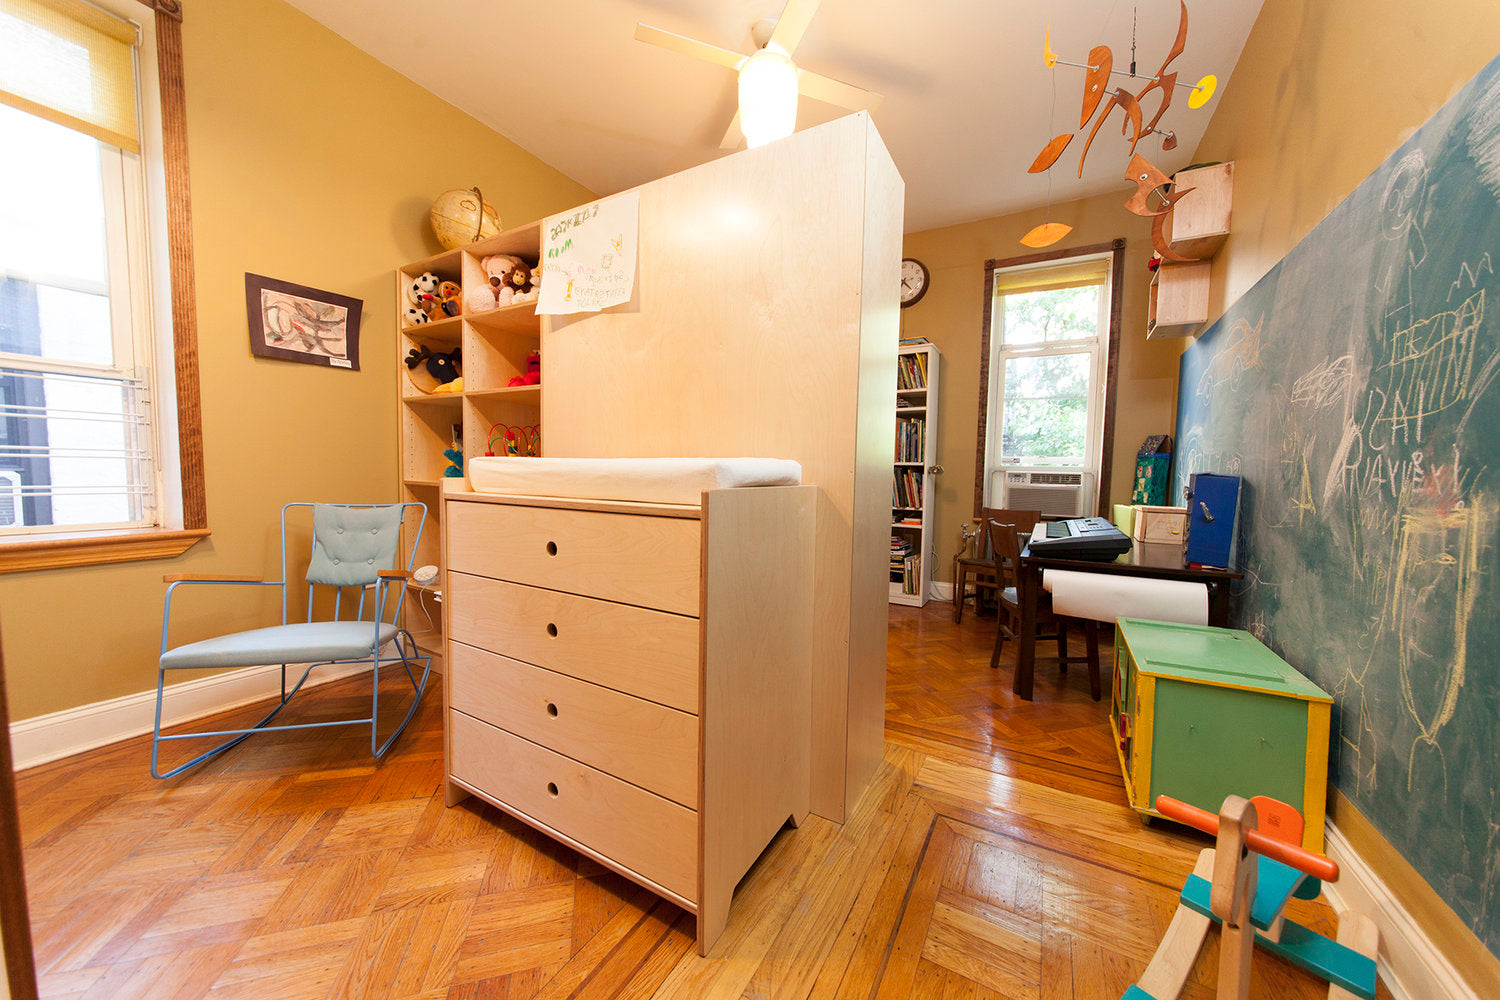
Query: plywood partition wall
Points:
[764, 322]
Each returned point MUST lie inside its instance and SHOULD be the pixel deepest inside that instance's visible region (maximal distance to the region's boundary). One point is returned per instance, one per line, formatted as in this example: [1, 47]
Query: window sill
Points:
[94, 548]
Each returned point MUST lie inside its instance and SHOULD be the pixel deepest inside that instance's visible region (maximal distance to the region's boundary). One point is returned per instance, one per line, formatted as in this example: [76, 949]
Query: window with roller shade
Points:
[79, 434]
[1049, 337]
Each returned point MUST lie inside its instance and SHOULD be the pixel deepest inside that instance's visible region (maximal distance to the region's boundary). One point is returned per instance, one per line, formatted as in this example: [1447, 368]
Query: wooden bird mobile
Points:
[1148, 180]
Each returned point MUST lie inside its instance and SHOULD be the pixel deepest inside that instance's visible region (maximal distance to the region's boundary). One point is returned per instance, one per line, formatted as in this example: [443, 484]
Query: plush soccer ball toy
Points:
[426, 283]
[413, 316]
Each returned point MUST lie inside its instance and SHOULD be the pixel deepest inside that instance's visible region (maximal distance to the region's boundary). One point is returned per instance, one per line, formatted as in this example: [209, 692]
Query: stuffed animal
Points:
[444, 366]
[455, 467]
[413, 316]
[533, 374]
[480, 298]
[421, 295]
[449, 299]
[507, 271]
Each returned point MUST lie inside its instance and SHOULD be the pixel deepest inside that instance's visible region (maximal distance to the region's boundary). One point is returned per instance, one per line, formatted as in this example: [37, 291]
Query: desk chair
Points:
[982, 565]
[354, 549]
[1007, 549]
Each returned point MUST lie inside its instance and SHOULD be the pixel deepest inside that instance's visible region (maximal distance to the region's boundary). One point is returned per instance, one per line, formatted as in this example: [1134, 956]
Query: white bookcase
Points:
[912, 535]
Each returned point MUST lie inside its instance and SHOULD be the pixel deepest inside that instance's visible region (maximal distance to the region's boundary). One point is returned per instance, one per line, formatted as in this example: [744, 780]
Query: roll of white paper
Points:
[1107, 596]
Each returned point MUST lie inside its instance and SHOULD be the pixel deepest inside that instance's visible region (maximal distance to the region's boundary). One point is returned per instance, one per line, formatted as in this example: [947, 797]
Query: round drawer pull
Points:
[552, 548]
[552, 787]
[551, 709]
[551, 629]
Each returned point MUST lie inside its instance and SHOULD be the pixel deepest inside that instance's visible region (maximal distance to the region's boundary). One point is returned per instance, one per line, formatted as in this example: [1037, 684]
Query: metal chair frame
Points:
[406, 652]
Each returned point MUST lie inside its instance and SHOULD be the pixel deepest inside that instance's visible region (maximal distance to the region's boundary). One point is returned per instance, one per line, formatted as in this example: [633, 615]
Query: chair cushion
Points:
[303, 642]
[352, 544]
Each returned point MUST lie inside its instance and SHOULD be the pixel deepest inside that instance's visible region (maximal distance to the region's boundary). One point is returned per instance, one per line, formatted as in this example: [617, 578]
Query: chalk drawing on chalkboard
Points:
[1241, 354]
[1354, 388]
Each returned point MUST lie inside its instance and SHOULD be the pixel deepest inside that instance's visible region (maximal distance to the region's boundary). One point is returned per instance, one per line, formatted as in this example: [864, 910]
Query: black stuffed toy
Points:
[443, 366]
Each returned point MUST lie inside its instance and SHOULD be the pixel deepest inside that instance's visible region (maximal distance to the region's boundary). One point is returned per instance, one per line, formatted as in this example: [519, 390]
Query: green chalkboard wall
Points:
[1354, 389]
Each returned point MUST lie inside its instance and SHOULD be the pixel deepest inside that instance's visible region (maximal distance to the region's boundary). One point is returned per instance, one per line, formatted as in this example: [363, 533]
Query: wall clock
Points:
[914, 281]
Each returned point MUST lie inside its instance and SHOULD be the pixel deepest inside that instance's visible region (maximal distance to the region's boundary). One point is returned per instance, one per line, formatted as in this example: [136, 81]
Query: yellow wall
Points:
[951, 315]
[1324, 92]
[310, 162]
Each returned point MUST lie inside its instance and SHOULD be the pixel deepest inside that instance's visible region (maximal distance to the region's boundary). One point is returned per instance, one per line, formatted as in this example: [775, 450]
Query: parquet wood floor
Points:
[992, 857]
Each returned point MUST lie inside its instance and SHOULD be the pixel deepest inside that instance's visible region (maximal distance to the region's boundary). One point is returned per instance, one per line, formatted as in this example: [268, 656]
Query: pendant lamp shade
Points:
[768, 96]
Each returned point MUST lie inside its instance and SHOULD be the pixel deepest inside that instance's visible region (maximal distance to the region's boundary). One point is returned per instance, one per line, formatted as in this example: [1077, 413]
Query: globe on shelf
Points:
[461, 217]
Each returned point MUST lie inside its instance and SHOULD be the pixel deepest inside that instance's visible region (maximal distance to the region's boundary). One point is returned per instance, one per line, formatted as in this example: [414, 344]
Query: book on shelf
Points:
[906, 489]
[912, 341]
[910, 434]
[911, 372]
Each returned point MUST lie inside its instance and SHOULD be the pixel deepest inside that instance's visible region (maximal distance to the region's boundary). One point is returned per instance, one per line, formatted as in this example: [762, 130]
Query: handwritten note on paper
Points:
[588, 256]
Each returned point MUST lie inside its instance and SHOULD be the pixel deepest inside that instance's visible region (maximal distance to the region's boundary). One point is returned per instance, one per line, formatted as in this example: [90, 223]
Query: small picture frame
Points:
[297, 323]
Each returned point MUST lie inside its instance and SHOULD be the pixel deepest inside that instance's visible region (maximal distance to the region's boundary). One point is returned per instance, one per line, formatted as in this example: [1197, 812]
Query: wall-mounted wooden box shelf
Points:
[1178, 300]
[1199, 224]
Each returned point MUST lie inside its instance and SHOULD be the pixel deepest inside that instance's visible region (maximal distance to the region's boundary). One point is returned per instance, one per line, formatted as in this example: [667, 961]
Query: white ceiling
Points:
[968, 102]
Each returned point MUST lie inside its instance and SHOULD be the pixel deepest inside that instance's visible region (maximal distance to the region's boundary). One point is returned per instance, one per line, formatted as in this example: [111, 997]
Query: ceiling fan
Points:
[769, 80]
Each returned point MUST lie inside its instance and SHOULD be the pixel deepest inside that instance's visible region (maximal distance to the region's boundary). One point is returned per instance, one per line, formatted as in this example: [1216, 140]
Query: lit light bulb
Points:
[768, 96]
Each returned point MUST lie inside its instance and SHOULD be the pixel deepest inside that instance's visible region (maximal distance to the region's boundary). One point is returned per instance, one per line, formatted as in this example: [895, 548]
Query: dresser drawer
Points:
[643, 832]
[637, 559]
[640, 741]
[650, 654]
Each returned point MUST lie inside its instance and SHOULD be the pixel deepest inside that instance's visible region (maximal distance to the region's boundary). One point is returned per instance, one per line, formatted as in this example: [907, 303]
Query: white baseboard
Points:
[941, 591]
[45, 738]
[1410, 963]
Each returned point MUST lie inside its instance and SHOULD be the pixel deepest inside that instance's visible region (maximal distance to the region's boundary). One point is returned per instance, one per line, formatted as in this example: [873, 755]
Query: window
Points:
[100, 459]
[75, 342]
[1047, 366]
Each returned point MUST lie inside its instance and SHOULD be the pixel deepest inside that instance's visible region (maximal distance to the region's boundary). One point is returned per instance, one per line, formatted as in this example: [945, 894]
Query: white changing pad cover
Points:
[641, 480]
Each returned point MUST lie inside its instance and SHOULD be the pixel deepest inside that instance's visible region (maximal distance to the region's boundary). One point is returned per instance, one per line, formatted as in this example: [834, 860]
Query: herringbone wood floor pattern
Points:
[992, 857]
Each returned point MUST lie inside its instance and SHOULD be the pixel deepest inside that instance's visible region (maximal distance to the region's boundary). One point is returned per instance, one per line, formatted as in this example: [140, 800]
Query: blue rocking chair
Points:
[354, 547]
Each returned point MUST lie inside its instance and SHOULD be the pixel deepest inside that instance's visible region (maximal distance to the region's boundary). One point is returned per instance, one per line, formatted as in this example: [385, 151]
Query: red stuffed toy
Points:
[533, 374]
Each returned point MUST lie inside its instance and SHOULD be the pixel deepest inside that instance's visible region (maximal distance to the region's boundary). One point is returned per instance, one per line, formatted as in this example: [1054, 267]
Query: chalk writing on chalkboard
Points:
[1353, 387]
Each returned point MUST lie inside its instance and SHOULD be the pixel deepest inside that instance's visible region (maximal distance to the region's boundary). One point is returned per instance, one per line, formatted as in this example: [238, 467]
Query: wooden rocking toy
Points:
[1244, 883]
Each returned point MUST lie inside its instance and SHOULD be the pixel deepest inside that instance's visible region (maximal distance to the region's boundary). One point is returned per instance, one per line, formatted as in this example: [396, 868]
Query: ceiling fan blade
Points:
[832, 91]
[688, 46]
[734, 137]
[792, 24]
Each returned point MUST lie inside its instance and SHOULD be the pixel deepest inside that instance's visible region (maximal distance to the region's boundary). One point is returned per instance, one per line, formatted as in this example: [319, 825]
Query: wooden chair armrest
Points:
[196, 578]
[393, 574]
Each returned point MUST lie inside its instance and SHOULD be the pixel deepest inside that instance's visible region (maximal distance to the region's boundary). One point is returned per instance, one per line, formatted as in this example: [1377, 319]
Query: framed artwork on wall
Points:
[297, 323]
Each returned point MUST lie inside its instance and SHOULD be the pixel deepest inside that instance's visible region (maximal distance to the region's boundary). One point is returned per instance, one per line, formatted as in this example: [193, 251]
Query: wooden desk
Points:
[1031, 584]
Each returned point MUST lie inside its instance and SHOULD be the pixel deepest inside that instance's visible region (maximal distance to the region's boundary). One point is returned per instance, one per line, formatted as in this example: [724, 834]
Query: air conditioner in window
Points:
[1055, 494]
[11, 513]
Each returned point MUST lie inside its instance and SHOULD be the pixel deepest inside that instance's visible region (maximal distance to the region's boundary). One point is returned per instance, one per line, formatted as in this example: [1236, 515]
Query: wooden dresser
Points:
[634, 679]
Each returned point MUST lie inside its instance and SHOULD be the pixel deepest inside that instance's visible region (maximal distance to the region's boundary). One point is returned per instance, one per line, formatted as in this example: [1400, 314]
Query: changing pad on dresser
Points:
[641, 480]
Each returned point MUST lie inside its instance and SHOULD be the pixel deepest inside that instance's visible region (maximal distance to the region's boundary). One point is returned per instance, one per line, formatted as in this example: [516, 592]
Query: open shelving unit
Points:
[494, 345]
[912, 547]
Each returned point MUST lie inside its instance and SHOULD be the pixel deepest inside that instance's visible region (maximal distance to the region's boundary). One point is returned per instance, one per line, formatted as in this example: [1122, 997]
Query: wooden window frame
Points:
[89, 548]
[1116, 250]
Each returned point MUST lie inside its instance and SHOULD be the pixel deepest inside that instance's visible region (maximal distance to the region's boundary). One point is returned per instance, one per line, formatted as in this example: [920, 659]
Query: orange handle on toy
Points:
[1296, 857]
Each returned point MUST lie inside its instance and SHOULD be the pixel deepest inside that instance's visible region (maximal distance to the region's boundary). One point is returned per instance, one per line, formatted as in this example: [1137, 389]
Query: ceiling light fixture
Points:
[769, 81]
[768, 96]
